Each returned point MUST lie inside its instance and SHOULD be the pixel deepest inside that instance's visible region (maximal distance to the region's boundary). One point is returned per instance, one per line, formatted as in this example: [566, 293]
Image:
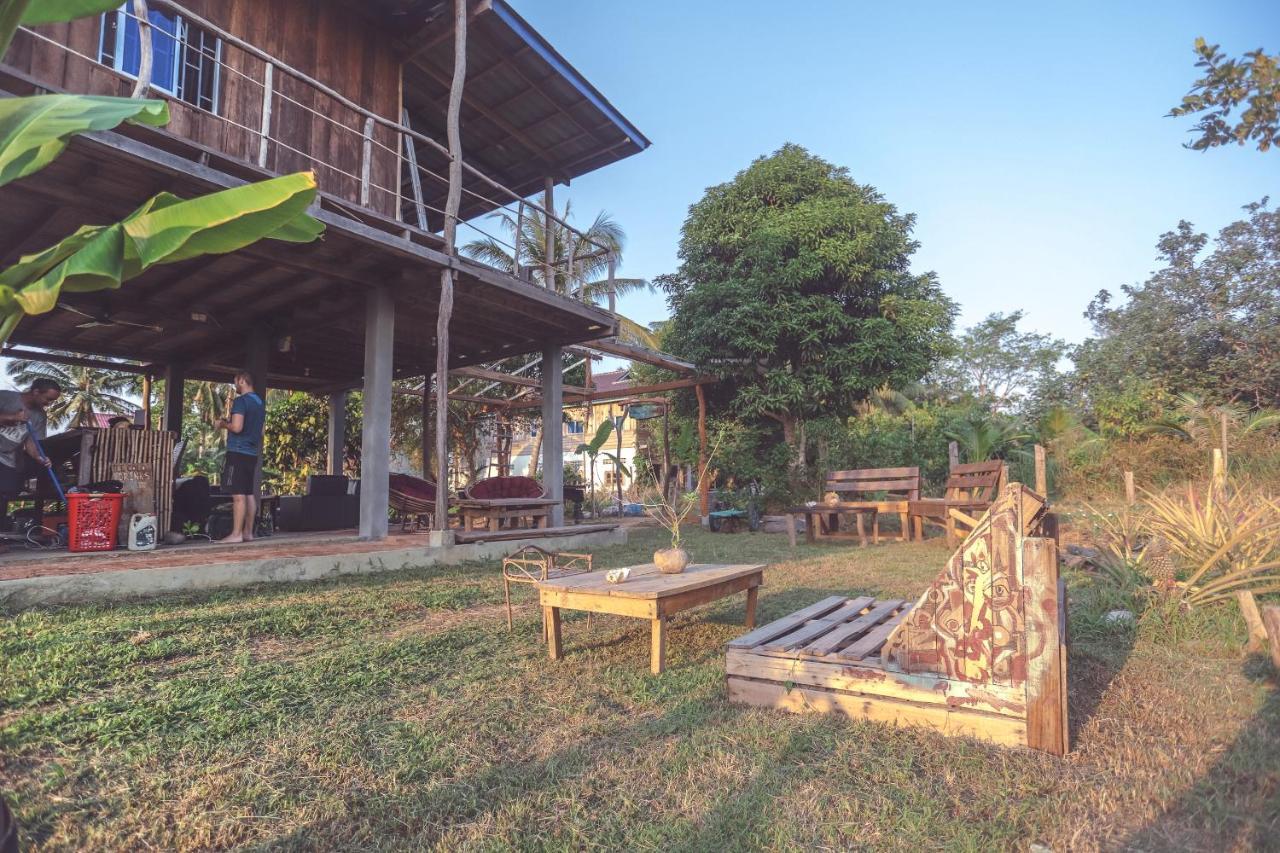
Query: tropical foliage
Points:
[1208, 322]
[165, 229]
[794, 288]
[85, 390]
[1253, 81]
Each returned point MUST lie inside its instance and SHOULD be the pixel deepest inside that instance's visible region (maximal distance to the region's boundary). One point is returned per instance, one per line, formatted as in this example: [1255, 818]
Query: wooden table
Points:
[647, 594]
[813, 516]
[494, 511]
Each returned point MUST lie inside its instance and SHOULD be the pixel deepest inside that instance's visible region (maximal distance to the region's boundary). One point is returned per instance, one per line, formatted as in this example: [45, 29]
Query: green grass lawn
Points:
[396, 711]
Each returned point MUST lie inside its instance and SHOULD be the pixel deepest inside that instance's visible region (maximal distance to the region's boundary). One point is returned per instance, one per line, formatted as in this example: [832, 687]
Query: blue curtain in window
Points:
[164, 49]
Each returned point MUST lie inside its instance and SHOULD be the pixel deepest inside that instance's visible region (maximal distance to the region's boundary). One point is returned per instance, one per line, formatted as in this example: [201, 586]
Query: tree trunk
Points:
[537, 452]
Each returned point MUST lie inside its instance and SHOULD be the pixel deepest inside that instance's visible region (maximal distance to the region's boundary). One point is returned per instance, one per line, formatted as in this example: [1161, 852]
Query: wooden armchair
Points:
[971, 489]
[982, 652]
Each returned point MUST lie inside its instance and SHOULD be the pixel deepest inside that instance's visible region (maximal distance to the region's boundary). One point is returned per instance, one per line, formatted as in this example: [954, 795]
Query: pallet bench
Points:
[981, 653]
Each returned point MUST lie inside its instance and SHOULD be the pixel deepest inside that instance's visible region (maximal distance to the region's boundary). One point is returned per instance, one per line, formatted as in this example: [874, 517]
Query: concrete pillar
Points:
[553, 431]
[257, 356]
[174, 378]
[337, 430]
[375, 444]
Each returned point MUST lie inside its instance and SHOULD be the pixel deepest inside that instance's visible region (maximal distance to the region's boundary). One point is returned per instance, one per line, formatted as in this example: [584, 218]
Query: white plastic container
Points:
[144, 532]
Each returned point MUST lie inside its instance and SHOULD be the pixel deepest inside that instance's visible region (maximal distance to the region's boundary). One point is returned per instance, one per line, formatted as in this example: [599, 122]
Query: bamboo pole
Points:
[146, 400]
[145, 50]
[452, 202]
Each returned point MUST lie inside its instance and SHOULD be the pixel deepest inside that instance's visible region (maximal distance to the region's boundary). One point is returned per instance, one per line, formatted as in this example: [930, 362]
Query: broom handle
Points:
[56, 485]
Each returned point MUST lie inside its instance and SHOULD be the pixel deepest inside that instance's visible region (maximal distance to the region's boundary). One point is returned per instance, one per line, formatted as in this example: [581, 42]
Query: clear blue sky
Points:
[1032, 144]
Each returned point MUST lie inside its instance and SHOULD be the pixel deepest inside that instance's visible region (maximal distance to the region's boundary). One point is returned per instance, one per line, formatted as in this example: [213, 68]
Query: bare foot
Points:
[233, 539]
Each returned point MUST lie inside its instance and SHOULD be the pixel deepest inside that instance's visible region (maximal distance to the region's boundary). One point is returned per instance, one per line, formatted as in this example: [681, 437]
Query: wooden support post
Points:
[517, 242]
[428, 430]
[1219, 467]
[366, 162]
[174, 402]
[337, 431]
[445, 311]
[1042, 476]
[613, 291]
[553, 431]
[375, 443]
[1271, 620]
[265, 130]
[1130, 492]
[1047, 663]
[549, 234]
[953, 454]
[146, 400]
[415, 179]
[704, 483]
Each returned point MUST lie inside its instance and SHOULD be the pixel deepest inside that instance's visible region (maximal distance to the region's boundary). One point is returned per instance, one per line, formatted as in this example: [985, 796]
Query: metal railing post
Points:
[415, 180]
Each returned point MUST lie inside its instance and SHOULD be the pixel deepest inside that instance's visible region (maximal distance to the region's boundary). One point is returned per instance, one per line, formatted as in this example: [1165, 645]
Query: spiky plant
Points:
[1228, 538]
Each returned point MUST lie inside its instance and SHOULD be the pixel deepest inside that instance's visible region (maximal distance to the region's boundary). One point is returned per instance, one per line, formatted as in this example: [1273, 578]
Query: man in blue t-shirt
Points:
[244, 444]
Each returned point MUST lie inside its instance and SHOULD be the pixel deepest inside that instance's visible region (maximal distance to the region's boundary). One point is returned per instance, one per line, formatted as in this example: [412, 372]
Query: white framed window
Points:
[185, 59]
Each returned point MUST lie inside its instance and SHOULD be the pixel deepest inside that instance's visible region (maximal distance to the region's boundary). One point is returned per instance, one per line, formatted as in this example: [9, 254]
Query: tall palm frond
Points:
[85, 390]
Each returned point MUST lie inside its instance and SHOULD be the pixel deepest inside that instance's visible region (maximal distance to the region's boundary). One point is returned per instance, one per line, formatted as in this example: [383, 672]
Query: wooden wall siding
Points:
[338, 48]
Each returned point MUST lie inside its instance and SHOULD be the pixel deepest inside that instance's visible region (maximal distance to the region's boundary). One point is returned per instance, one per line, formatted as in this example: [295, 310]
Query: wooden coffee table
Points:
[647, 594]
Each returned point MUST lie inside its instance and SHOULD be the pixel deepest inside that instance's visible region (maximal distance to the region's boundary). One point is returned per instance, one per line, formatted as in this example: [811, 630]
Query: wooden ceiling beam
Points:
[623, 393]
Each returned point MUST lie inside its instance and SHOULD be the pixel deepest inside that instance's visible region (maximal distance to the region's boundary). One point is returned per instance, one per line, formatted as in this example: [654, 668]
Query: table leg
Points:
[810, 535]
[752, 593]
[791, 529]
[658, 646]
[862, 534]
[906, 526]
[554, 648]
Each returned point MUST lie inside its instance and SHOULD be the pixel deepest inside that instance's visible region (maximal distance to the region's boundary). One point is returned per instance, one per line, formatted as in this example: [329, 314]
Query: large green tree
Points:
[1001, 367]
[1207, 323]
[1249, 85]
[795, 287]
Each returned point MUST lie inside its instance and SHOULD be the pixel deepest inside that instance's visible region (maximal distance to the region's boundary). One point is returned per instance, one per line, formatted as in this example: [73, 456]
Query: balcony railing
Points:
[363, 155]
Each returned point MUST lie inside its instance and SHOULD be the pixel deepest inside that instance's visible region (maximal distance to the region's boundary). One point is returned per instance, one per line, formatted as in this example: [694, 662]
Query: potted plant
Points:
[671, 514]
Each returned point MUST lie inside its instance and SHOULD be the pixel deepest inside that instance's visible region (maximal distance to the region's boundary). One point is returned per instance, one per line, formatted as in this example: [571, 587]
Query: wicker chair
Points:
[414, 499]
[532, 565]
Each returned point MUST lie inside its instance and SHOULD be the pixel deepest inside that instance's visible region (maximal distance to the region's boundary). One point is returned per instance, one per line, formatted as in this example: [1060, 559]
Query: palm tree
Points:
[85, 390]
[984, 436]
[589, 276]
[1210, 424]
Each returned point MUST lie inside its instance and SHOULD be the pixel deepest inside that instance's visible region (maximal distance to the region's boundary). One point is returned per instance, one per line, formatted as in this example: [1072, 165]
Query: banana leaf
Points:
[34, 131]
[35, 12]
[165, 229]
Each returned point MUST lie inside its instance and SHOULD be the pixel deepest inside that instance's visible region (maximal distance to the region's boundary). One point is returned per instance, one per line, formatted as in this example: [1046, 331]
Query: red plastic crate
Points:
[92, 520]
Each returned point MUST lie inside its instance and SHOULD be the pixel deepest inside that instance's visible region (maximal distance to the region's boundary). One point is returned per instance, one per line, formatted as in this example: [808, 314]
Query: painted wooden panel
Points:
[309, 130]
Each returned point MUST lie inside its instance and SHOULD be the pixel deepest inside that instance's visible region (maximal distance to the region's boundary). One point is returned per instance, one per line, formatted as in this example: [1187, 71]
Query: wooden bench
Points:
[971, 489]
[981, 653]
[899, 485]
